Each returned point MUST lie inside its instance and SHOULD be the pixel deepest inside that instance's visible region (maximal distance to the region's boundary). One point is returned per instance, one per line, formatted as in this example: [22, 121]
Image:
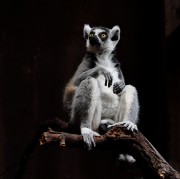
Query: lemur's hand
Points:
[108, 78]
[88, 137]
[118, 87]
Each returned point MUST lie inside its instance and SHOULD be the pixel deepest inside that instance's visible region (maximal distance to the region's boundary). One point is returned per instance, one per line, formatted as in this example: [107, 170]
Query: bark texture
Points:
[151, 162]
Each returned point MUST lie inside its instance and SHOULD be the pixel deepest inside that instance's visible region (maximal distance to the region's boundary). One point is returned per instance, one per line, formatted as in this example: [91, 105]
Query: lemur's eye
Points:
[103, 35]
[91, 35]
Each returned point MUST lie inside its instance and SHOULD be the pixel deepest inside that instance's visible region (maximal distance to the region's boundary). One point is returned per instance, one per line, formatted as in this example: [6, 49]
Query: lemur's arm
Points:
[79, 77]
[87, 71]
[121, 76]
[118, 67]
[119, 86]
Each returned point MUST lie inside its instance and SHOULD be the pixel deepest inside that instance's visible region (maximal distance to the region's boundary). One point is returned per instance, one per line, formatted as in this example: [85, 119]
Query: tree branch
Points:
[133, 143]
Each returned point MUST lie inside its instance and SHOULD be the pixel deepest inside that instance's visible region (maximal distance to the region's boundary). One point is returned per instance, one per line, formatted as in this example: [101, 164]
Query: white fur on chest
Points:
[110, 101]
[108, 65]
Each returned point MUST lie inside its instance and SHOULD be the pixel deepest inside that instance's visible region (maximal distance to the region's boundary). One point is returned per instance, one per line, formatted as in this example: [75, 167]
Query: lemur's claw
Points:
[129, 125]
[88, 137]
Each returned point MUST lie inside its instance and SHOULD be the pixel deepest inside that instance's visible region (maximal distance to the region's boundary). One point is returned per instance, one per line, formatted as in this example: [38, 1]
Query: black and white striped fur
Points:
[97, 93]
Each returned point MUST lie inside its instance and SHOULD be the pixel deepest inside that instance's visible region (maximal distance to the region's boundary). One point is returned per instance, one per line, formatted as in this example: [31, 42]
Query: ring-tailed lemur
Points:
[97, 93]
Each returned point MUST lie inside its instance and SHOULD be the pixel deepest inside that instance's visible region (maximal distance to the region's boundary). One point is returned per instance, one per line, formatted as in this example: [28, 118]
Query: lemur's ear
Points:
[86, 31]
[115, 33]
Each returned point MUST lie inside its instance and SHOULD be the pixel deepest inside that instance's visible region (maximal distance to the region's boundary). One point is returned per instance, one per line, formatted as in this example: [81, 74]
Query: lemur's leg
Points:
[128, 110]
[86, 107]
[127, 114]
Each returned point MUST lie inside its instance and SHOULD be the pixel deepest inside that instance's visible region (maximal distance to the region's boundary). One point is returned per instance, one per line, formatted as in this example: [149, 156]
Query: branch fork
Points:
[134, 143]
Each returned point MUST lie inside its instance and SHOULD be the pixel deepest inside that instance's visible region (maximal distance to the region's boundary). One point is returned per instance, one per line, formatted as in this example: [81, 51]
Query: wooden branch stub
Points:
[65, 139]
[133, 143]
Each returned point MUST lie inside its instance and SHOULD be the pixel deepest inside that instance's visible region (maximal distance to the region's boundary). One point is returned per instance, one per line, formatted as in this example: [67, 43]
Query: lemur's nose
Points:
[94, 41]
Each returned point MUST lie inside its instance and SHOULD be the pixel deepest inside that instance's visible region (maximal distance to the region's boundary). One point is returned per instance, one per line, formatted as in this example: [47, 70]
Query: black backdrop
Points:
[41, 45]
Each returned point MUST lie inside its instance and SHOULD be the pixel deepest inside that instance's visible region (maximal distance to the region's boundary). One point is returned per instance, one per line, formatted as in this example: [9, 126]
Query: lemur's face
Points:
[101, 39]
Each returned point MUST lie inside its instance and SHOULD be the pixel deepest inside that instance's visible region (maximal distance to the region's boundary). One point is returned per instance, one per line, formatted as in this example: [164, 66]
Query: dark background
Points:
[41, 44]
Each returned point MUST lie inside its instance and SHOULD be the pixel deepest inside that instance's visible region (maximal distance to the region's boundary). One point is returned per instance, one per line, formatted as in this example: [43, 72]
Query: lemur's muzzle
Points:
[94, 41]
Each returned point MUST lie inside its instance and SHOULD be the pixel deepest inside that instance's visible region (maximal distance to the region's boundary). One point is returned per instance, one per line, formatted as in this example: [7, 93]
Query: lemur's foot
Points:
[88, 137]
[129, 125]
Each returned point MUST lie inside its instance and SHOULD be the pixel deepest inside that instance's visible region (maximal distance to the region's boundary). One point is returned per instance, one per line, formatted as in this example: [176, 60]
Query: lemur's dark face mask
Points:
[96, 40]
[93, 40]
